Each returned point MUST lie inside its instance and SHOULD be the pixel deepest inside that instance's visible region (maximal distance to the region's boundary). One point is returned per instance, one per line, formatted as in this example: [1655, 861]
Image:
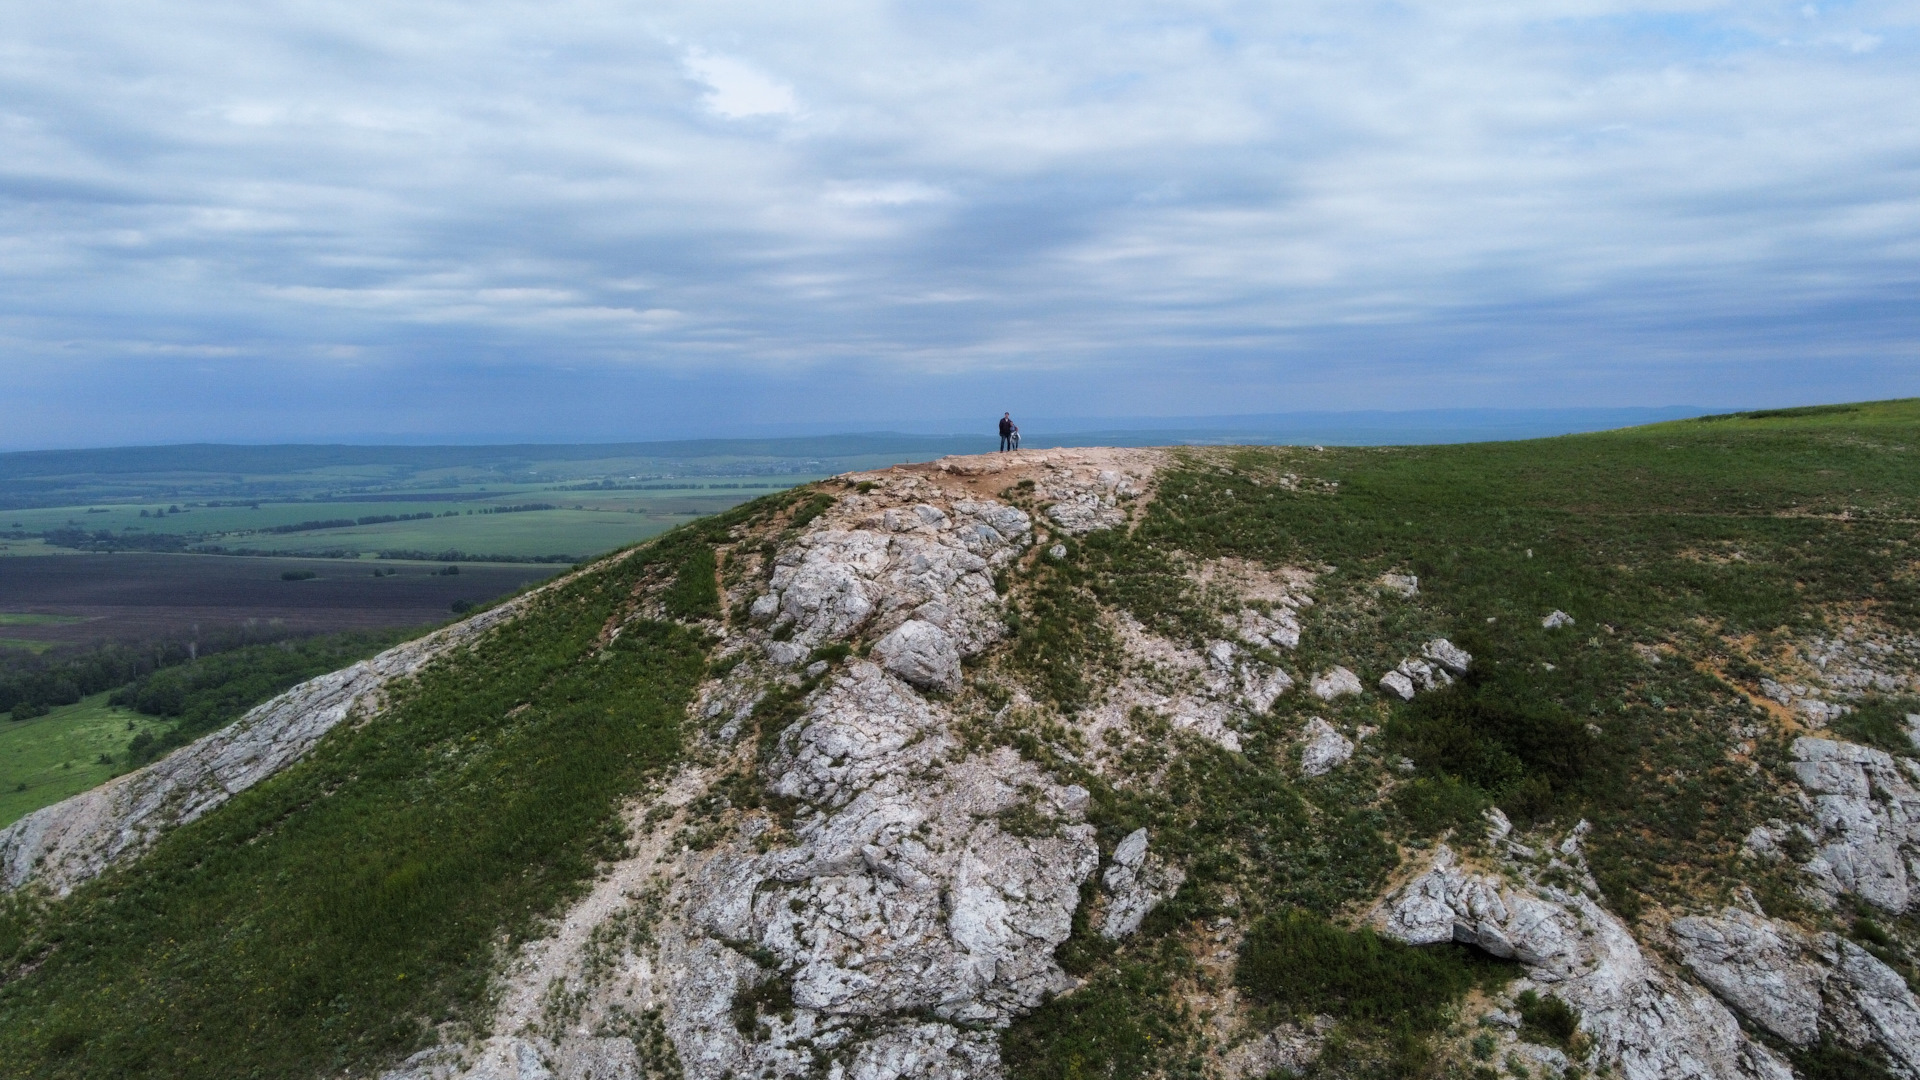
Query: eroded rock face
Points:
[1800, 986]
[1085, 504]
[934, 567]
[904, 891]
[1866, 819]
[1645, 1023]
[922, 654]
[907, 896]
[1767, 971]
[62, 845]
[1137, 881]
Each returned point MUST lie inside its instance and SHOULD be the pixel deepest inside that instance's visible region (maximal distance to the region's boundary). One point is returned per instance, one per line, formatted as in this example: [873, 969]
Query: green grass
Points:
[325, 919]
[27, 645]
[13, 618]
[1724, 540]
[55, 756]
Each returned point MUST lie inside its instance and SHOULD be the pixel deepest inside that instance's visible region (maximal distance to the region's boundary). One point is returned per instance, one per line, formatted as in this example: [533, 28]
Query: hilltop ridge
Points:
[1584, 756]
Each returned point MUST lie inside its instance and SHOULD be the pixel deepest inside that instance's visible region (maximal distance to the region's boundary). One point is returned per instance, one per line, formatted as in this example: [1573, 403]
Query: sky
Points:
[575, 220]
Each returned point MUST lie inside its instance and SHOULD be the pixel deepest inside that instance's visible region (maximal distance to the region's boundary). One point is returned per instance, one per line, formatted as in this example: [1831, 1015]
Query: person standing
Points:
[1006, 431]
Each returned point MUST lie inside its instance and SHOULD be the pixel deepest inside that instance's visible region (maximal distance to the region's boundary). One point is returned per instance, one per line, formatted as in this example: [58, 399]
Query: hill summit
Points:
[1579, 757]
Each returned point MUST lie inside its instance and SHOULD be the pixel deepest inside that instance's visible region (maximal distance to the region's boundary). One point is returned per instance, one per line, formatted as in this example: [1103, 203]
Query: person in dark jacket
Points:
[1006, 431]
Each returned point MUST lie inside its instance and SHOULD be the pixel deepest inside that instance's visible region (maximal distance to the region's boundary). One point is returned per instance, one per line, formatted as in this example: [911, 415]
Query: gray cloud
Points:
[296, 211]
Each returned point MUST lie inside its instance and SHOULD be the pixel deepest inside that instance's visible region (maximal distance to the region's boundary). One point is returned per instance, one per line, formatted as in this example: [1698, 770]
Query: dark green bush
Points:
[1521, 748]
[1880, 723]
[1831, 1061]
[297, 575]
[1547, 1020]
[1433, 804]
[1301, 964]
[1117, 1026]
[813, 508]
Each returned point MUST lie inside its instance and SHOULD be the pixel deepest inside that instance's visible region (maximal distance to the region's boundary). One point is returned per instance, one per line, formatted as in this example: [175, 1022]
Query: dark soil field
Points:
[143, 596]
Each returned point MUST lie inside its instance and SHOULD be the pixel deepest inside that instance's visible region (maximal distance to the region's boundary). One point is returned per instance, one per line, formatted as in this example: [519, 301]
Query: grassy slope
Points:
[1720, 540]
[51, 757]
[324, 919]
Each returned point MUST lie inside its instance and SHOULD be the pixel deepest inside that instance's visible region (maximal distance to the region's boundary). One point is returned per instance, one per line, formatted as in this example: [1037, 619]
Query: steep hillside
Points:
[1586, 756]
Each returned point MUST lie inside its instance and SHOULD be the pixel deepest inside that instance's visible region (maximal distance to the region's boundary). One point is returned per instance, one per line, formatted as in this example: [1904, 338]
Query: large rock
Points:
[1803, 986]
[1322, 748]
[905, 890]
[1448, 655]
[1866, 820]
[1337, 682]
[920, 563]
[922, 654]
[1766, 970]
[1644, 1023]
[1136, 881]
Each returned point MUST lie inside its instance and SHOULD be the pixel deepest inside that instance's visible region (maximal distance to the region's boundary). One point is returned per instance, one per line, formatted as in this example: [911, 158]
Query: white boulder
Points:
[1337, 682]
[1322, 748]
[922, 654]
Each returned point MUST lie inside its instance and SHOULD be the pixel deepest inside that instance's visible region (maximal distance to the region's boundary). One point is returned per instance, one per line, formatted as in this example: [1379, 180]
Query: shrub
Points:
[1521, 749]
[27, 710]
[1433, 804]
[297, 575]
[1880, 724]
[1547, 1020]
[1115, 1027]
[1302, 964]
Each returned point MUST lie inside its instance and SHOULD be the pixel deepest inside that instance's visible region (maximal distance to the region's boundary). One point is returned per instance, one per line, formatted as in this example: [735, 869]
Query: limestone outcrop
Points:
[1644, 1022]
[897, 899]
[1323, 749]
[1439, 662]
[1335, 682]
[1137, 881]
[1866, 821]
[1802, 986]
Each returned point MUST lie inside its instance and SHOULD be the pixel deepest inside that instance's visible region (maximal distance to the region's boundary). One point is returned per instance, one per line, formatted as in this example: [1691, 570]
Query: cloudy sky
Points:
[579, 220]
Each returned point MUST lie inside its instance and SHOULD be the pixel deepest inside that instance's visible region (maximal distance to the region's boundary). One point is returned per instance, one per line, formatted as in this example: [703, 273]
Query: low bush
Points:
[1880, 723]
[1117, 1026]
[1431, 805]
[1300, 964]
[1548, 1020]
[1520, 748]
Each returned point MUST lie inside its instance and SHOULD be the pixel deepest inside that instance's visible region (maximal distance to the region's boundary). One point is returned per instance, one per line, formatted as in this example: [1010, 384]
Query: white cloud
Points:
[737, 89]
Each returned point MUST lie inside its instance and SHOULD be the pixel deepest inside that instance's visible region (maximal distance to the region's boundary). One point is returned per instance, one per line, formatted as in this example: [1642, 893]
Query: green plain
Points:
[55, 756]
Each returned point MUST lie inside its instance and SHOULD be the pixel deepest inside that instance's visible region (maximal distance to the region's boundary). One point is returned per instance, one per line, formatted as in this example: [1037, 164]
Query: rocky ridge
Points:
[57, 847]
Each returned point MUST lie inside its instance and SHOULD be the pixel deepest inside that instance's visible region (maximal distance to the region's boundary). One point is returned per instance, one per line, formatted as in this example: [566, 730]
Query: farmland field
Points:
[137, 543]
[131, 596]
[48, 758]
